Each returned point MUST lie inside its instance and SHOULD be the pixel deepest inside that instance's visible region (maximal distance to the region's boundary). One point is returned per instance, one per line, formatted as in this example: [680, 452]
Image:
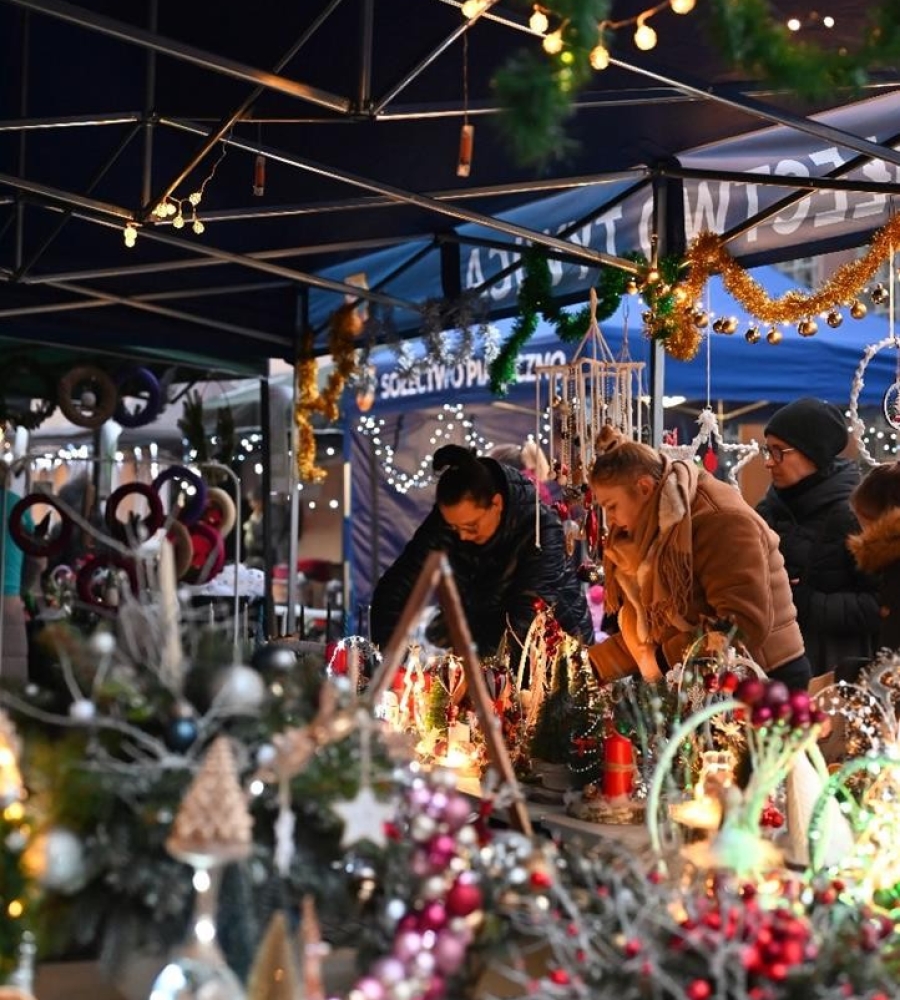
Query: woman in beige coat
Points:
[685, 550]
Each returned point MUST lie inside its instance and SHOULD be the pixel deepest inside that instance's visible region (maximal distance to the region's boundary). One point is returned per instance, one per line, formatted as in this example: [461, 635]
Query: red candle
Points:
[618, 765]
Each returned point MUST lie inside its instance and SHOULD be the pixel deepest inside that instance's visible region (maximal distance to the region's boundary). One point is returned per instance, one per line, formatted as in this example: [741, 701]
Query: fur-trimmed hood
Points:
[877, 546]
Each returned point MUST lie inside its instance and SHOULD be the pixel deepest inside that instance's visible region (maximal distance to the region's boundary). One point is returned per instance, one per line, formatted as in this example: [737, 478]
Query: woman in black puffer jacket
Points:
[484, 519]
[808, 506]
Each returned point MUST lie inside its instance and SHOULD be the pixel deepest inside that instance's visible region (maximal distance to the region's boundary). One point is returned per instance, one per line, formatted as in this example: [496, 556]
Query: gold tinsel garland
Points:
[707, 256]
[344, 327]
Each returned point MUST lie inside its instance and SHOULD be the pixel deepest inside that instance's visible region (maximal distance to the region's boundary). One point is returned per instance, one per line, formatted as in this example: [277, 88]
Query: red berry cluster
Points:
[770, 943]
[773, 702]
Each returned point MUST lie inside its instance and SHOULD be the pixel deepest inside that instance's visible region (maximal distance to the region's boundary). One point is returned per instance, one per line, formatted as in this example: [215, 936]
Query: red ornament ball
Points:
[463, 898]
[699, 989]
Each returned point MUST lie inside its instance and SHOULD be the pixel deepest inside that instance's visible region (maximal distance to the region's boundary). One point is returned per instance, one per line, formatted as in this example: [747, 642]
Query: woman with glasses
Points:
[684, 552]
[484, 519]
[808, 507]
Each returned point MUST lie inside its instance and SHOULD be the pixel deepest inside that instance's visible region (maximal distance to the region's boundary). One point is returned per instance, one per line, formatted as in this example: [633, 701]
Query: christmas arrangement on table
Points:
[233, 820]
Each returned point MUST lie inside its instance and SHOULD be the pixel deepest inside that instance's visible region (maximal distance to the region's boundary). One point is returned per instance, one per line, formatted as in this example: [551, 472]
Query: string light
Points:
[644, 36]
[183, 210]
[682, 6]
[538, 22]
[449, 421]
[130, 234]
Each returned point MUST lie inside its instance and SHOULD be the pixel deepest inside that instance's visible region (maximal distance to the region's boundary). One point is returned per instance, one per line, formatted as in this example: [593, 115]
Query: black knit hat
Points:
[816, 428]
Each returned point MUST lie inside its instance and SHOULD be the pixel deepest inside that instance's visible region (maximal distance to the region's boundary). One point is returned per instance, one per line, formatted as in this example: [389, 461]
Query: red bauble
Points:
[751, 690]
[698, 989]
[710, 460]
[559, 977]
[463, 898]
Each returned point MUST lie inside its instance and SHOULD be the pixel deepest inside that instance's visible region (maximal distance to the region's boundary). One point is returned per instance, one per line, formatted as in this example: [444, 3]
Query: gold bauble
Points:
[719, 326]
[857, 309]
[752, 336]
[631, 287]
[774, 336]
[701, 319]
[834, 319]
[807, 327]
[730, 325]
[880, 294]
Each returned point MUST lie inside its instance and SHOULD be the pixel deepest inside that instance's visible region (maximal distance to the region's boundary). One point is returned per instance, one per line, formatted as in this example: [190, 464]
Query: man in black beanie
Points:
[807, 505]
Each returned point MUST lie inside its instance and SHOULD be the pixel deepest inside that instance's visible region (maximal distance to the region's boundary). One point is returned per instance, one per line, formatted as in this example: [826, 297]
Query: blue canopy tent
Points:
[411, 413]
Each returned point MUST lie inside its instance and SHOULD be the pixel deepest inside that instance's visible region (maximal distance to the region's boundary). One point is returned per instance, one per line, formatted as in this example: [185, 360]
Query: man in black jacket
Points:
[484, 519]
[807, 505]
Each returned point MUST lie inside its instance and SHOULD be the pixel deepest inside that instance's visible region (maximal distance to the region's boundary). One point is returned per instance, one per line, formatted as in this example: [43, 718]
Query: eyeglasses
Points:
[775, 452]
[473, 527]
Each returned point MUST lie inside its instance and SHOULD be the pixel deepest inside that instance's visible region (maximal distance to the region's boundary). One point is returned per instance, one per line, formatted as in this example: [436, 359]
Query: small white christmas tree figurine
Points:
[276, 974]
[213, 825]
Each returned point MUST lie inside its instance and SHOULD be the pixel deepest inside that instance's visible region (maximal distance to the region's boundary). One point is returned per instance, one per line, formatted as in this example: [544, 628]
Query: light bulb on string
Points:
[553, 43]
[599, 57]
[644, 36]
[682, 6]
[538, 21]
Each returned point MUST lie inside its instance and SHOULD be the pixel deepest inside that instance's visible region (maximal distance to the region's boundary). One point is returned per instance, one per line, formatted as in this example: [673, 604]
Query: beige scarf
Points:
[653, 568]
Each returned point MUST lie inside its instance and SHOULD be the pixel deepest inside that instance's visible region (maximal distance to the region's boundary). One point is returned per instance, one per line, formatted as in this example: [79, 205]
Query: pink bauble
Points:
[371, 988]
[458, 811]
[437, 988]
[433, 917]
[449, 952]
[407, 944]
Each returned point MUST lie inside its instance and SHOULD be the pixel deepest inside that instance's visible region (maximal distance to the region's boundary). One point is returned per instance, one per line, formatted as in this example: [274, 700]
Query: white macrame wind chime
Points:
[890, 401]
[593, 389]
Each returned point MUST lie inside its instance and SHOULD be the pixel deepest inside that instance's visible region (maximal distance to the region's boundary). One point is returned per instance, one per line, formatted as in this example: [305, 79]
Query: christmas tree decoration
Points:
[212, 825]
[135, 383]
[276, 972]
[710, 435]
[87, 396]
[857, 424]
[365, 815]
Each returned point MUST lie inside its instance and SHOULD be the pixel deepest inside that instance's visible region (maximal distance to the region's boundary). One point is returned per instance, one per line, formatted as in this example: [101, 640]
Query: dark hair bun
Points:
[609, 438]
[452, 455]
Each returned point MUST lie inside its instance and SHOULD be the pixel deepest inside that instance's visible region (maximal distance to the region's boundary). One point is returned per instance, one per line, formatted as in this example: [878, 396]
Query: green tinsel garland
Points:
[535, 301]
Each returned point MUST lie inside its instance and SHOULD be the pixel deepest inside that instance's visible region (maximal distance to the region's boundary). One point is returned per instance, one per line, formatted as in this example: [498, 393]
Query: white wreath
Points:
[858, 425]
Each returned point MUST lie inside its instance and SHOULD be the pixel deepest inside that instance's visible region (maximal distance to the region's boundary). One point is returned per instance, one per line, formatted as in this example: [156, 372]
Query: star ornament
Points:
[364, 817]
[709, 435]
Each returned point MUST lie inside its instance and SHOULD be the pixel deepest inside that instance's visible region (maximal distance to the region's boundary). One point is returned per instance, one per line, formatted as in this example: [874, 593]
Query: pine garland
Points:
[536, 89]
[535, 301]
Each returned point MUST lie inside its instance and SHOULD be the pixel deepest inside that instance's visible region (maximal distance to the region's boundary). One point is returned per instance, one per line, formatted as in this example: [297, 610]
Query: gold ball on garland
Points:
[719, 326]
[631, 287]
[880, 294]
[647, 317]
[807, 327]
[858, 309]
[774, 336]
[752, 336]
[680, 294]
[701, 319]
[834, 319]
[731, 325]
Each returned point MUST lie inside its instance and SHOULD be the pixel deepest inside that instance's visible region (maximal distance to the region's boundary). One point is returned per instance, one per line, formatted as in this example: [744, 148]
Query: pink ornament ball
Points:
[433, 917]
[449, 952]
[751, 691]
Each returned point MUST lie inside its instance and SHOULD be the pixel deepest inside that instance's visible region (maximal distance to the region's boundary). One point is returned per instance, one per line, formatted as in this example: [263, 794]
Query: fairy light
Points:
[449, 421]
[682, 6]
[129, 233]
[645, 37]
[181, 211]
[538, 22]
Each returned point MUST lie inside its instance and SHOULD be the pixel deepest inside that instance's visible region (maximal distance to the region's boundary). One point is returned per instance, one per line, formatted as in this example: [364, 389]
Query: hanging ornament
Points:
[730, 325]
[710, 435]
[834, 319]
[858, 309]
[807, 327]
[259, 176]
[857, 425]
[774, 336]
[87, 396]
[890, 405]
[879, 295]
[719, 325]
[710, 460]
[700, 319]
[753, 336]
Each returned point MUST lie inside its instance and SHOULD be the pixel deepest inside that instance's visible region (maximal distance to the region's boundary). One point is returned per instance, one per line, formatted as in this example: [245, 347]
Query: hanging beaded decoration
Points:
[593, 389]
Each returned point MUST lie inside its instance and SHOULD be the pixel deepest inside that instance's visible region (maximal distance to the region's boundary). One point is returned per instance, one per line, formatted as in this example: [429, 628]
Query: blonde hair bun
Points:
[609, 438]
